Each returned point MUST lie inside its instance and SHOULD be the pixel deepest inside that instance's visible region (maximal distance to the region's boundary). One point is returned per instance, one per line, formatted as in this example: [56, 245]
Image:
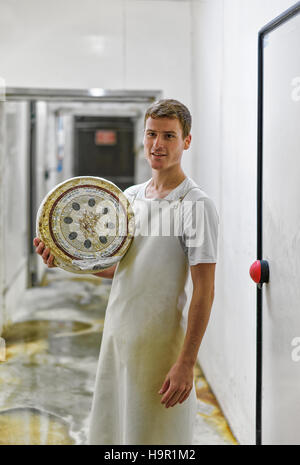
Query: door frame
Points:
[33, 96]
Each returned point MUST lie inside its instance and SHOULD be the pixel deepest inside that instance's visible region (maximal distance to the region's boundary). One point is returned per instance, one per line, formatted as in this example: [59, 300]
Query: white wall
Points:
[224, 80]
[2, 265]
[14, 214]
[121, 44]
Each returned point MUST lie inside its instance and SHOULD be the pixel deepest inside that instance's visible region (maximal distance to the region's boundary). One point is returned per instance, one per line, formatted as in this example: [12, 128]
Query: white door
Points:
[281, 234]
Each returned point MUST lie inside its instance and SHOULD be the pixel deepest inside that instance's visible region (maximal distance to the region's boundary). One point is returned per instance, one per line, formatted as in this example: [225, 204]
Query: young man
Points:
[144, 391]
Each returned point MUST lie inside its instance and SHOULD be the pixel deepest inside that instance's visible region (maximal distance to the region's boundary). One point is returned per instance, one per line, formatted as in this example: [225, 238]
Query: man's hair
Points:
[170, 108]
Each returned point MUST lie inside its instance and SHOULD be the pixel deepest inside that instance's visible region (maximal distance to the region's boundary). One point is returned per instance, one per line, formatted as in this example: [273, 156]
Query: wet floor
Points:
[48, 376]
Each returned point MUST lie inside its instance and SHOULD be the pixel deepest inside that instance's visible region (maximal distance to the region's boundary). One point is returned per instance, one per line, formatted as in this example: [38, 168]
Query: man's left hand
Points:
[178, 384]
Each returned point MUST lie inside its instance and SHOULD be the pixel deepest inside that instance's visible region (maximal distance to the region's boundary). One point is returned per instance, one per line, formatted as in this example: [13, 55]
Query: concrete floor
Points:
[52, 350]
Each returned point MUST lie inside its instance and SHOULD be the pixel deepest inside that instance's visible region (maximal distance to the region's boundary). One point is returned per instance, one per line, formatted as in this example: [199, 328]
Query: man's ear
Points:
[187, 142]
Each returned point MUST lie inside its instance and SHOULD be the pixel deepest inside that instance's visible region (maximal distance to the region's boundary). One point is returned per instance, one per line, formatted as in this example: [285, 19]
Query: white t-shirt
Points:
[207, 251]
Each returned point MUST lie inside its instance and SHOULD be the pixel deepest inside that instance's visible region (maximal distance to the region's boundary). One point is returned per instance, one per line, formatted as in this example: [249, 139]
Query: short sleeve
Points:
[200, 224]
[130, 192]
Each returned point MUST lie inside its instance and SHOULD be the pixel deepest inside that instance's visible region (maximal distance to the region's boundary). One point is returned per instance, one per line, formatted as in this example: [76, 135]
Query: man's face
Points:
[163, 142]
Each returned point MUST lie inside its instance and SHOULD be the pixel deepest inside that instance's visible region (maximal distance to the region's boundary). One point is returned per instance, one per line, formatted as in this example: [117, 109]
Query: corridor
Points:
[52, 350]
[106, 104]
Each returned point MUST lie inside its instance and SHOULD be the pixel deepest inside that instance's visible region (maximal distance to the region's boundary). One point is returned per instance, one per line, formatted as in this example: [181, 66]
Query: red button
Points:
[255, 271]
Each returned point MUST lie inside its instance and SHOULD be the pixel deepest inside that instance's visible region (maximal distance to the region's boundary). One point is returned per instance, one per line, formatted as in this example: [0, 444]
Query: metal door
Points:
[279, 230]
[104, 147]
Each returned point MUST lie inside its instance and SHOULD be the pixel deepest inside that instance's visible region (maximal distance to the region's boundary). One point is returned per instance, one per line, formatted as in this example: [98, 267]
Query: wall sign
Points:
[105, 137]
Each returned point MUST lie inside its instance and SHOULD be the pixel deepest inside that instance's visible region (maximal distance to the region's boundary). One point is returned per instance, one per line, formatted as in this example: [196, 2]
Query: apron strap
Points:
[182, 196]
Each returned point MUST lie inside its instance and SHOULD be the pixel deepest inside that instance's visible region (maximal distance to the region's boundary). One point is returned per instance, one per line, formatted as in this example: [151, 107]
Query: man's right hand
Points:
[44, 252]
[48, 259]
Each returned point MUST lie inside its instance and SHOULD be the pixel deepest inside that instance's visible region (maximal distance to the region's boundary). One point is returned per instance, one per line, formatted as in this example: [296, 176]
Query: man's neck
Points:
[162, 181]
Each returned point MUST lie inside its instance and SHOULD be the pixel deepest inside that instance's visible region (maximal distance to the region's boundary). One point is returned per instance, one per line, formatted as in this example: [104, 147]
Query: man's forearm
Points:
[107, 272]
[198, 316]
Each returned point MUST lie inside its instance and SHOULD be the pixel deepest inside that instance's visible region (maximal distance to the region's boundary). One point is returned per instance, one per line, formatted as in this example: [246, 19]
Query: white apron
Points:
[142, 339]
